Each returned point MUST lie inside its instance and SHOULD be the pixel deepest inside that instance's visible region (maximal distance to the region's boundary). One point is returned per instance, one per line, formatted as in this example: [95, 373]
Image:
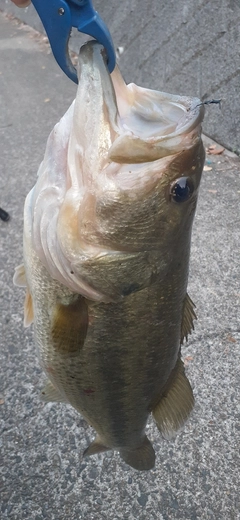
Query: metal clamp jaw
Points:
[58, 18]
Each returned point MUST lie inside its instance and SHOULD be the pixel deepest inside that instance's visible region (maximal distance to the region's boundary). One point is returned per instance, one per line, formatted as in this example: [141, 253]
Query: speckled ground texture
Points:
[184, 47]
[43, 474]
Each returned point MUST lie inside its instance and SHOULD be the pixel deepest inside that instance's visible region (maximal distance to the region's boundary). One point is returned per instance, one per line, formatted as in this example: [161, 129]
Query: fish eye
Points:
[181, 189]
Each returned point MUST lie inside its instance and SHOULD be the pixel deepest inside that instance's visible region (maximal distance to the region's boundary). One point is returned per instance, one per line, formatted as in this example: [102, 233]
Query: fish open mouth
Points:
[143, 125]
[103, 162]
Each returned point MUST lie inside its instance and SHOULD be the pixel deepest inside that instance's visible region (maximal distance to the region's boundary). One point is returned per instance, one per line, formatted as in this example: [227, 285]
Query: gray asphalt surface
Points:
[178, 46]
[43, 475]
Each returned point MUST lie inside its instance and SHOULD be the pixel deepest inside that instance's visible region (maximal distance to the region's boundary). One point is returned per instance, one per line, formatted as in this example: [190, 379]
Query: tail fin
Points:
[97, 446]
[142, 458]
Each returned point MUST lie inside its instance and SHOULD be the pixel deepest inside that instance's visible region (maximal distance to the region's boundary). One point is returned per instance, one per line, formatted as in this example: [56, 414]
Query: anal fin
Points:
[142, 458]
[188, 317]
[175, 405]
[97, 446]
[50, 394]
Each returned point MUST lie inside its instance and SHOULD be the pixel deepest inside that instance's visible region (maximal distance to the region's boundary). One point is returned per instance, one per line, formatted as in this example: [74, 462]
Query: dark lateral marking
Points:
[129, 289]
[69, 326]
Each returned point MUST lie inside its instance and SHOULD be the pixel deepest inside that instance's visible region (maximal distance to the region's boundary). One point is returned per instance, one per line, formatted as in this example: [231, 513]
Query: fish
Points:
[106, 246]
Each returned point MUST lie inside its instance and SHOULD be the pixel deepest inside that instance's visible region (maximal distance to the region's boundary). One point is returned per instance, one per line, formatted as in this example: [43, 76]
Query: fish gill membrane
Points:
[107, 230]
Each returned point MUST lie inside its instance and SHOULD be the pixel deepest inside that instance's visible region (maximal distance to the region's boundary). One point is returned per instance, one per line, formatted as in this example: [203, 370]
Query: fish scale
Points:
[106, 258]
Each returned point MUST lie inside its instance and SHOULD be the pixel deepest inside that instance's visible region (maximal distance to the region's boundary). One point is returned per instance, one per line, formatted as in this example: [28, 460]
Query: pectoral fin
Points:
[69, 326]
[97, 446]
[175, 406]
[50, 394]
[187, 318]
[142, 458]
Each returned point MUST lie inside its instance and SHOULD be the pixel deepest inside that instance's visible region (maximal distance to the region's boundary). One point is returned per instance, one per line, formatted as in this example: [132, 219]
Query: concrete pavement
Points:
[43, 475]
[183, 47]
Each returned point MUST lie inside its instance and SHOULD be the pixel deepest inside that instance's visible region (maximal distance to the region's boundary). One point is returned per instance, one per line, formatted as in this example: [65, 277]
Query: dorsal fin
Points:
[175, 405]
[20, 280]
[187, 318]
[28, 309]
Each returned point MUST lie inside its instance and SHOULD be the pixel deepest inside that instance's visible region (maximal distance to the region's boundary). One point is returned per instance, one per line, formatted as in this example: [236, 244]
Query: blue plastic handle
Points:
[59, 16]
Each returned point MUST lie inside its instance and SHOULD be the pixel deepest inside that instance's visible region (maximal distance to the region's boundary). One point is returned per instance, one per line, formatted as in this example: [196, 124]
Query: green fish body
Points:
[107, 232]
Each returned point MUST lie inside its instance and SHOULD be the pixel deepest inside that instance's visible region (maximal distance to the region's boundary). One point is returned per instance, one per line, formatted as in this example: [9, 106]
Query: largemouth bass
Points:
[107, 231]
